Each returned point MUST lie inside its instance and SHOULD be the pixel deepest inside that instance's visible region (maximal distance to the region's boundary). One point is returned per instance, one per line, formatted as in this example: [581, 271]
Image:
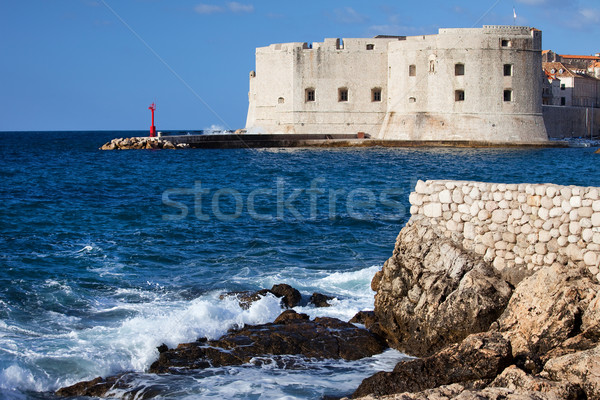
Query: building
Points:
[577, 87]
[462, 84]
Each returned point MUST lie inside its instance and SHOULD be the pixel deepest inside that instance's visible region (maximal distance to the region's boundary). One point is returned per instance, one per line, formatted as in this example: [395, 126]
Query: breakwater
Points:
[516, 226]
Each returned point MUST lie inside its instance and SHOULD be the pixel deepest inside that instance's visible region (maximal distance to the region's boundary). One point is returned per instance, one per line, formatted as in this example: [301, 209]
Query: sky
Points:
[98, 64]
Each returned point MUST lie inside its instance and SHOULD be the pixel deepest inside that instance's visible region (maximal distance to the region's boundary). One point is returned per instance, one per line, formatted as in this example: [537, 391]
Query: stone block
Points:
[483, 215]
[445, 197]
[543, 213]
[565, 192]
[555, 212]
[422, 187]
[544, 236]
[566, 206]
[574, 252]
[574, 215]
[534, 200]
[595, 219]
[551, 191]
[415, 199]
[499, 216]
[432, 210]
[575, 201]
[574, 228]
[592, 194]
[547, 202]
[540, 248]
[591, 259]
[457, 196]
[596, 206]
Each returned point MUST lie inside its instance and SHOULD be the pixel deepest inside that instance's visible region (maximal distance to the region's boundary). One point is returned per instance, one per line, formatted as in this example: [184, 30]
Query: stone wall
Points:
[516, 227]
[572, 122]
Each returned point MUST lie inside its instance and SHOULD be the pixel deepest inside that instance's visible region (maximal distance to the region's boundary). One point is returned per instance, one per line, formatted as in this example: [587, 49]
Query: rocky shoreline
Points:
[142, 143]
[482, 329]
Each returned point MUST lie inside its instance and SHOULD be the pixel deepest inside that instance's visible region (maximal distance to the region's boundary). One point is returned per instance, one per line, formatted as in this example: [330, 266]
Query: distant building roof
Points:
[580, 57]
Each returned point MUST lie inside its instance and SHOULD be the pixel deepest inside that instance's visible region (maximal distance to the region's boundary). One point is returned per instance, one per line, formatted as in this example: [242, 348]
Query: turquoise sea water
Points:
[104, 255]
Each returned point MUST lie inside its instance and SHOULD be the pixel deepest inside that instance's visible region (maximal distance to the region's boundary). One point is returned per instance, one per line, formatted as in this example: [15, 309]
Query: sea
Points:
[105, 255]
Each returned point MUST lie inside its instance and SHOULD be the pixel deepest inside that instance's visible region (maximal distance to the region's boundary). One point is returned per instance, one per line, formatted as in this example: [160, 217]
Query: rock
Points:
[581, 368]
[479, 357]
[516, 379]
[320, 300]
[290, 297]
[291, 334]
[546, 309]
[432, 292]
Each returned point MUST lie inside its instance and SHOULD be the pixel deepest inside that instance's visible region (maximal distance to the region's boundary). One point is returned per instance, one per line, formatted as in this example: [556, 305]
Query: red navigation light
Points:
[152, 127]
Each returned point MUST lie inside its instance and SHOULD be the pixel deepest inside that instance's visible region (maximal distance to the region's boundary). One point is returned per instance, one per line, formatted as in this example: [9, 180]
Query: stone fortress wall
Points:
[477, 84]
[516, 227]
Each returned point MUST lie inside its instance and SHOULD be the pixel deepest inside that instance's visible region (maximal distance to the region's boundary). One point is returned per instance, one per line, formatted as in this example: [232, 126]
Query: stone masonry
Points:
[515, 226]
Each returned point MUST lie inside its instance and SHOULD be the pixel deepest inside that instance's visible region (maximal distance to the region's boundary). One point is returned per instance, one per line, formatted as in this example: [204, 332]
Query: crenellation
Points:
[530, 230]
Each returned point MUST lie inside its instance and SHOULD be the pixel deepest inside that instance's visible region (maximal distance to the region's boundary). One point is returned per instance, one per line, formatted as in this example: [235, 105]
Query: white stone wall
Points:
[421, 107]
[515, 225]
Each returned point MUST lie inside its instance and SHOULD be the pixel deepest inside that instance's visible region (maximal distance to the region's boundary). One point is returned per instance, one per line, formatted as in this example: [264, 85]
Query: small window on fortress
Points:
[376, 94]
[412, 99]
[508, 95]
[431, 66]
[370, 46]
[459, 69]
[342, 94]
[508, 69]
[459, 95]
[412, 70]
[505, 43]
[310, 95]
[281, 100]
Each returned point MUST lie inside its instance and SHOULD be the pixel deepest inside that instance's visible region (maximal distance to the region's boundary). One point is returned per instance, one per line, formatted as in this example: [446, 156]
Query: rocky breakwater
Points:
[142, 143]
[496, 288]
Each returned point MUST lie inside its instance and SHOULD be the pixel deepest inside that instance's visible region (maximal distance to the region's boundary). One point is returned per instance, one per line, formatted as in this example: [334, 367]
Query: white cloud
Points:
[208, 9]
[348, 15]
[590, 15]
[236, 7]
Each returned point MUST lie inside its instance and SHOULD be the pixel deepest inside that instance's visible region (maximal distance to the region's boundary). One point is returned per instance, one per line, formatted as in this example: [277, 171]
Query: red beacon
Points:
[152, 127]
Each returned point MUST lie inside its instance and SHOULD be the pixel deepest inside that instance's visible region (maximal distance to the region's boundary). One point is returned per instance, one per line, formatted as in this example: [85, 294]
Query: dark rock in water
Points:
[290, 297]
[369, 320]
[320, 300]
[291, 334]
[478, 358]
[125, 384]
[432, 292]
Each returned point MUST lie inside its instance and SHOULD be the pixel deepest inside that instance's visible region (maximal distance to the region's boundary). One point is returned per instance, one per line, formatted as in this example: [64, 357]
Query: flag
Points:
[514, 13]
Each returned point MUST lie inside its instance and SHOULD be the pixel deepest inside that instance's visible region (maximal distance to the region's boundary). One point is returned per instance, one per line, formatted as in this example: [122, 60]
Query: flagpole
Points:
[514, 16]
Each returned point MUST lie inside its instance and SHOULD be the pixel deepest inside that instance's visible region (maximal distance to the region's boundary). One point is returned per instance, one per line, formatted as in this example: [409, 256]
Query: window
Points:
[281, 100]
[505, 43]
[339, 44]
[342, 94]
[459, 69]
[412, 99]
[431, 66]
[562, 86]
[508, 95]
[376, 94]
[412, 70]
[459, 95]
[563, 101]
[370, 46]
[508, 69]
[310, 94]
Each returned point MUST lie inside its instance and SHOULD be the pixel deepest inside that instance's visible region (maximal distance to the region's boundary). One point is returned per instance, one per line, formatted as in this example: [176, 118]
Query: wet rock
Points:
[124, 384]
[432, 292]
[320, 300]
[478, 358]
[290, 297]
[94, 388]
[291, 334]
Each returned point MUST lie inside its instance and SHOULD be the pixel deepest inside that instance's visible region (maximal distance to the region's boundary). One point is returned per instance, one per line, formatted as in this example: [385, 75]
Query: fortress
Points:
[482, 84]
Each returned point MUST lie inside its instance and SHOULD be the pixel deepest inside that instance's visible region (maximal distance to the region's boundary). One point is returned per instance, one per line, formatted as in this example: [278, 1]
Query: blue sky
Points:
[98, 64]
